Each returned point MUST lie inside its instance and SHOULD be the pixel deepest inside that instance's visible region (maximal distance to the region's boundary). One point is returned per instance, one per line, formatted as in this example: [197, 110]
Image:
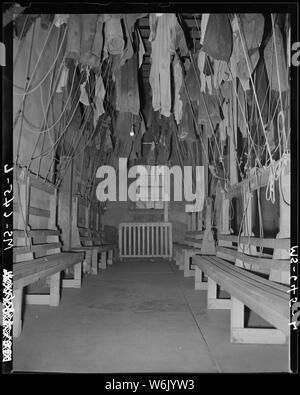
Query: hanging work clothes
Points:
[98, 99]
[242, 112]
[119, 35]
[177, 75]
[221, 73]
[186, 128]
[192, 80]
[123, 126]
[127, 89]
[251, 27]
[276, 69]
[217, 40]
[84, 38]
[114, 38]
[262, 91]
[61, 19]
[162, 49]
[205, 72]
[142, 49]
[130, 37]
[208, 112]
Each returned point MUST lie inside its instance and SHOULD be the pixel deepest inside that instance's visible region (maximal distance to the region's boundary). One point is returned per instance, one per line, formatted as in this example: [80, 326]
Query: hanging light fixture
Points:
[132, 130]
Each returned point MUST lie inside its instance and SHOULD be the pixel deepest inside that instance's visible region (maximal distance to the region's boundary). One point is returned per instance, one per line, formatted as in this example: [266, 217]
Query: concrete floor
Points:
[137, 316]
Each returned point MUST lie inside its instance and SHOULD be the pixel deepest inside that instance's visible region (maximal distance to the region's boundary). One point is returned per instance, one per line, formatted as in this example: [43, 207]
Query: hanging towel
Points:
[271, 65]
[217, 41]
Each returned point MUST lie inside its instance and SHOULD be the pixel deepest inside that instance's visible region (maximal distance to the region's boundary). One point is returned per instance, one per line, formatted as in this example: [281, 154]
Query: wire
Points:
[27, 92]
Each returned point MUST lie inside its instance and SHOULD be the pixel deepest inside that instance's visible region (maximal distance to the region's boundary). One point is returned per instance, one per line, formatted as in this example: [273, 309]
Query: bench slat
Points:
[257, 296]
[261, 263]
[36, 233]
[36, 248]
[247, 273]
[26, 273]
[258, 242]
[39, 212]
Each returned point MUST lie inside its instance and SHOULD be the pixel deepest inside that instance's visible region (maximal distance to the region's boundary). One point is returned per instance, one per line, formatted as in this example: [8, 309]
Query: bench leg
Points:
[17, 303]
[240, 334]
[180, 260]
[110, 257]
[95, 261]
[103, 259]
[54, 297]
[188, 272]
[116, 254]
[51, 299]
[176, 257]
[212, 300]
[199, 283]
[76, 281]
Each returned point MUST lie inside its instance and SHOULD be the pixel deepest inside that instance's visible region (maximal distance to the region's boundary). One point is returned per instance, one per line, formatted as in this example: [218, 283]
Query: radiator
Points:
[145, 239]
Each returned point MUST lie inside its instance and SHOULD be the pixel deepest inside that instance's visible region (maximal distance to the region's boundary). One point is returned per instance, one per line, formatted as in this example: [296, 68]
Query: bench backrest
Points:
[254, 253]
[35, 207]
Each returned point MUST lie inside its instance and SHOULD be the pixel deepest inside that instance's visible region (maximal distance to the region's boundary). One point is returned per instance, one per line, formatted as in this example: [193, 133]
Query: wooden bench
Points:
[108, 251]
[196, 242]
[247, 277]
[183, 252]
[87, 236]
[257, 254]
[37, 247]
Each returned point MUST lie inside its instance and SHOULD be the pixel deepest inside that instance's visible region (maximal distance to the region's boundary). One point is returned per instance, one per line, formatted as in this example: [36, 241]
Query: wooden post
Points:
[240, 334]
[94, 253]
[213, 302]
[17, 303]
[64, 217]
[208, 243]
[103, 259]
[199, 283]
[247, 227]
[284, 220]
[224, 223]
[54, 289]
[110, 257]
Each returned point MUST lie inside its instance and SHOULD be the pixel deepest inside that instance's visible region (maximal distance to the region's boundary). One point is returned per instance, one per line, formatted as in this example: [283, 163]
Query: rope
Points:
[28, 92]
[253, 87]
